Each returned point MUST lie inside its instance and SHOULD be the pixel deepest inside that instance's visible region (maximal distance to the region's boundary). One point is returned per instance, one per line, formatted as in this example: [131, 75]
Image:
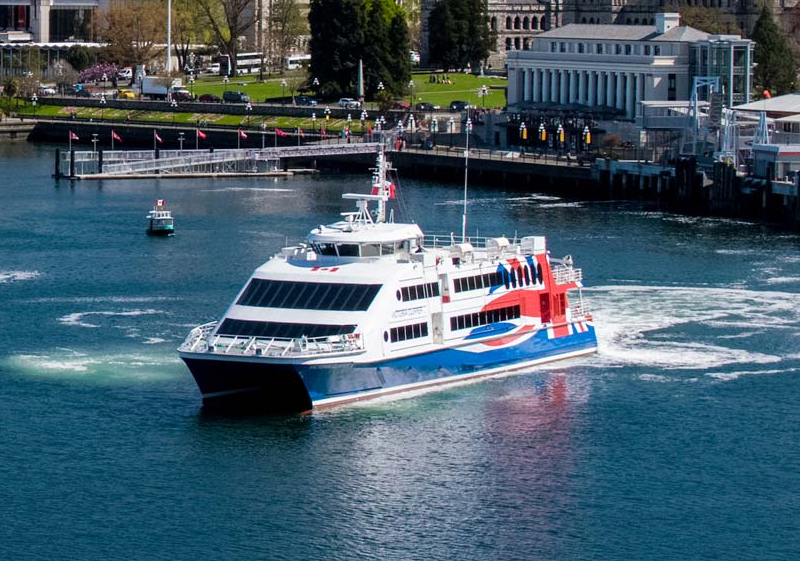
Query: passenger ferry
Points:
[160, 221]
[367, 307]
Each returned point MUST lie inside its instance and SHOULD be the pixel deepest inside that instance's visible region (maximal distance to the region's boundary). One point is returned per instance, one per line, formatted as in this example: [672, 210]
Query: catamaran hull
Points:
[271, 386]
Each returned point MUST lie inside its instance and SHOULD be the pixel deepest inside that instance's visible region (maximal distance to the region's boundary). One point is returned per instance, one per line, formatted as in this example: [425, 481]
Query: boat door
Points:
[436, 323]
[544, 306]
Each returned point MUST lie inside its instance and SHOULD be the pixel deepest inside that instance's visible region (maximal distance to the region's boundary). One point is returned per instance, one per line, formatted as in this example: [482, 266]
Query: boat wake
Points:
[692, 329]
[66, 363]
[16, 276]
[78, 319]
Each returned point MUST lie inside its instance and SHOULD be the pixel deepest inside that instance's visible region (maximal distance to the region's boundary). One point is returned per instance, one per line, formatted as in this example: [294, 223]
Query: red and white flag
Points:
[73, 136]
[157, 137]
[324, 134]
[201, 134]
[242, 135]
[279, 132]
[300, 132]
[115, 136]
[160, 202]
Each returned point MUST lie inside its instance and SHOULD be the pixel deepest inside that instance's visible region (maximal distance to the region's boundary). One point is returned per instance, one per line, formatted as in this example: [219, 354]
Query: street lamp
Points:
[560, 133]
[327, 114]
[587, 138]
[542, 133]
[314, 121]
[483, 91]
[434, 127]
[283, 90]
[224, 84]
[248, 108]
[94, 143]
[363, 118]
[523, 133]
[180, 139]
[173, 105]
[191, 84]
[315, 83]
[34, 99]
[263, 131]
[411, 97]
[102, 105]
[105, 79]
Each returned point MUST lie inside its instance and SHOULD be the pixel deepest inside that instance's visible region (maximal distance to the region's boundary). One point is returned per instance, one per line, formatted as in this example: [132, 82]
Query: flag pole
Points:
[196, 139]
[112, 140]
[154, 140]
[70, 141]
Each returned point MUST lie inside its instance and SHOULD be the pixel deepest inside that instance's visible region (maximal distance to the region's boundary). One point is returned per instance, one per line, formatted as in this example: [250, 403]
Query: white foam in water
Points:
[625, 316]
[77, 318]
[16, 276]
[66, 363]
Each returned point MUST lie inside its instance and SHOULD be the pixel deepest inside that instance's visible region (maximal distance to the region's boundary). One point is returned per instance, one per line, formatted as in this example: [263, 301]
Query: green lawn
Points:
[461, 87]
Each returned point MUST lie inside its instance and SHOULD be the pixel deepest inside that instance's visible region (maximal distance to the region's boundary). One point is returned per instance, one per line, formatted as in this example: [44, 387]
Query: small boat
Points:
[160, 221]
[367, 306]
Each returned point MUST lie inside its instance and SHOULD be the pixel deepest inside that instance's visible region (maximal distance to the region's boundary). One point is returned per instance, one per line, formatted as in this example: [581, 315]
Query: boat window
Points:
[387, 249]
[506, 282]
[405, 332]
[370, 250]
[478, 282]
[419, 291]
[539, 272]
[486, 317]
[347, 249]
[246, 328]
[308, 295]
[324, 248]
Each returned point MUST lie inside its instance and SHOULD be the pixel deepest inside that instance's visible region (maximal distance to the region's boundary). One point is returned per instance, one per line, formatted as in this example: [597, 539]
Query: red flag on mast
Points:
[115, 136]
[157, 137]
[73, 136]
[242, 135]
[201, 134]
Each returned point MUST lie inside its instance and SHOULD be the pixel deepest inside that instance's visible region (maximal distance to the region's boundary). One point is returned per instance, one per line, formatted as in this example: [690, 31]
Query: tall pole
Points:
[466, 167]
[169, 36]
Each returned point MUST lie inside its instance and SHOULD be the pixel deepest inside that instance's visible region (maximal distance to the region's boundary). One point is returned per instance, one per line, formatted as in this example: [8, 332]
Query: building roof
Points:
[789, 103]
[617, 32]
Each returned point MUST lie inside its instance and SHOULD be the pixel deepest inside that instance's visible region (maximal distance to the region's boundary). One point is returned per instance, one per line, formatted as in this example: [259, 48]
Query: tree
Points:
[228, 20]
[10, 89]
[710, 20]
[287, 24]
[459, 33]
[346, 31]
[133, 30]
[79, 57]
[187, 29]
[775, 70]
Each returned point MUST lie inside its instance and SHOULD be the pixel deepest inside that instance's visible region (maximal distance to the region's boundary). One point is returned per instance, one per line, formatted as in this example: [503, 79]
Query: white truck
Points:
[155, 87]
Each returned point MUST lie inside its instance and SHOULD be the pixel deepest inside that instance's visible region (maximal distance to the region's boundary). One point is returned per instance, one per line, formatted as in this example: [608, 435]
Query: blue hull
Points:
[297, 387]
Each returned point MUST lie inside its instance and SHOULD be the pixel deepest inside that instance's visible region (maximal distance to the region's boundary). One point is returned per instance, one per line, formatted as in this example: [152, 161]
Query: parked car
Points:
[209, 98]
[47, 90]
[182, 96]
[425, 106]
[400, 104]
[305, 100]
[235, 97]
[349, 103]
[125, 73]
[76, 91]
[126, 94]
[458, 106]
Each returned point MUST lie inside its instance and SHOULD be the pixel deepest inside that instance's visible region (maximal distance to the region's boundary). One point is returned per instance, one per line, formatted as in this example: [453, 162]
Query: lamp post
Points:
[450, 126]
[248, 109]
[380, 90]
[560, 133]
[363, 119]
[467, 131]
[224, 84]
[102, 105]
[263, 131]
[191, 84]
[315, 83]
[327, 114]
[283, 92]
[105, 79]
[314, 122]
[173, 105]
[34, 99]
[523, 133]
[542, 133]
[434, 128]
[587, 138]
[94, 143]
[483, 91]
[411, 94]
[180, 140]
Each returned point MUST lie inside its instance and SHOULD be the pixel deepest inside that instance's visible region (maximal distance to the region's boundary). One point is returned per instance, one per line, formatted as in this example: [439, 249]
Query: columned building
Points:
[618, 66]
[46, 21]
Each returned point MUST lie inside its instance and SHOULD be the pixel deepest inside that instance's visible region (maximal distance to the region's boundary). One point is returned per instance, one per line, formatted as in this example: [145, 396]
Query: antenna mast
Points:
[466, 169]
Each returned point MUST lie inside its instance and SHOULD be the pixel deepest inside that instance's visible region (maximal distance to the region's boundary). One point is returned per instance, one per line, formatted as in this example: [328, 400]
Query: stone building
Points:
[46, 21]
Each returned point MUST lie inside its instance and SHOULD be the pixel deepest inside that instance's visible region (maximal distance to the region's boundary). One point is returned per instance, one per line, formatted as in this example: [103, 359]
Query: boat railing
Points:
[578, 310]
[563, 274]
[441, 241]
[200, 340]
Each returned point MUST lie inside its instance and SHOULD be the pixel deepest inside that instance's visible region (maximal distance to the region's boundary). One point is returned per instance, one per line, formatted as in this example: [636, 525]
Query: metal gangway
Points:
[123, 163]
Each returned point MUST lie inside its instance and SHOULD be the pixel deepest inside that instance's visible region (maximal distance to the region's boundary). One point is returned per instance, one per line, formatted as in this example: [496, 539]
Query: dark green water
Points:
[678, 441]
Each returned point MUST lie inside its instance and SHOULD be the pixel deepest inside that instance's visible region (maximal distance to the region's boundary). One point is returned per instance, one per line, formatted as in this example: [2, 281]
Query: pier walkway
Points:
[135, 163]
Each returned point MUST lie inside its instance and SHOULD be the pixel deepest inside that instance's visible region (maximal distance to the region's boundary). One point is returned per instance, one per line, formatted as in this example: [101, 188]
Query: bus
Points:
[293, 62]
[246, 63]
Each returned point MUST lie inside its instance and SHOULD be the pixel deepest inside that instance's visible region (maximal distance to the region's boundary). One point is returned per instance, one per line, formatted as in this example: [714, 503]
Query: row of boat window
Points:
[247, 328]
[477, 319]
[523, 275]
[418, 291]
[308, 295]
[406, 332]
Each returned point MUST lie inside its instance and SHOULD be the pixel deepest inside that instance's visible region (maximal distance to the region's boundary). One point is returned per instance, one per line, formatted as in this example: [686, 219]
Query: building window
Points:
[647, 50]
[553, 46]
[627, 49]
[516, 43]
[508, 22]
[657, 50]
[526, 23]
[618, 49]
[581, 47]
[494, 23]
[562, 47]
[516, 22]
[534, 23]
[508, 43]
[599, 48]
[671, 87]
